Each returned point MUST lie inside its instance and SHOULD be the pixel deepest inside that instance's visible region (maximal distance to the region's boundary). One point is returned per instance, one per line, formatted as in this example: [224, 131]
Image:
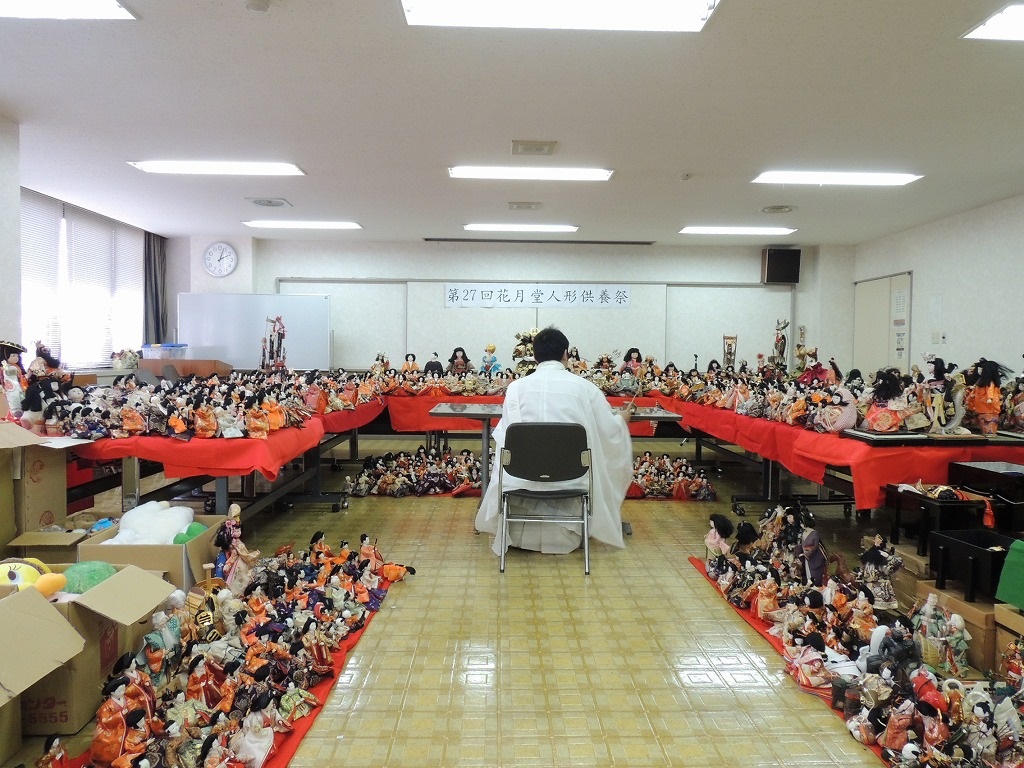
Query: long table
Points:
[811, 455]
[220, 459]
[413, 414]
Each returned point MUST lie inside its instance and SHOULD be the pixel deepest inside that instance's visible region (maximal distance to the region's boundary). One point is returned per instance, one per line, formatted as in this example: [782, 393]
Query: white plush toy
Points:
[155, 522]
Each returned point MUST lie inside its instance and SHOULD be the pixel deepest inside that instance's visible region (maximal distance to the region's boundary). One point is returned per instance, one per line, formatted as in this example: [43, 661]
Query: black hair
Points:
[815, 641]
[550, 344]
[722, 524]
[262, 701]
[114, 683]
[208, 743]
[133, 717]
[746, 533]
[122, 663]
[262, 673]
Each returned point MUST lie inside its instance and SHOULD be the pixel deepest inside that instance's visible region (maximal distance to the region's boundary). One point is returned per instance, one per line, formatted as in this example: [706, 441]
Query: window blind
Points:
[82, 281]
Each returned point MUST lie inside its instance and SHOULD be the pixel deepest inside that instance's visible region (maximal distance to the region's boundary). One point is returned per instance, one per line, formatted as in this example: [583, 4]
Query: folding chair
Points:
[546, 452]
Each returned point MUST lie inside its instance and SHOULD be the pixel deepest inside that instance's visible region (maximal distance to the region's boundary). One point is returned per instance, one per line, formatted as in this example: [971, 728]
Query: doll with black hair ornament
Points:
[878, 563]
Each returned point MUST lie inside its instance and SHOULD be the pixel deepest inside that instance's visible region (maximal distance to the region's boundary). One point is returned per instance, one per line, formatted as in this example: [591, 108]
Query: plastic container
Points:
[164, 351]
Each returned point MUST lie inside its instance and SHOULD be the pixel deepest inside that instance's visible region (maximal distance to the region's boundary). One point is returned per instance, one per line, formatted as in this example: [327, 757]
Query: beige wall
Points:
[966, 282]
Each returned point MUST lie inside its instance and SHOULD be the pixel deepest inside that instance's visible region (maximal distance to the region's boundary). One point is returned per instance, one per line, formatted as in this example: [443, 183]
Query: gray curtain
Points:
[155, 303]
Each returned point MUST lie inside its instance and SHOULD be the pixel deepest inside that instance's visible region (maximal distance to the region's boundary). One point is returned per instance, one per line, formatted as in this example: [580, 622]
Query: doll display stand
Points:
[220, 459]
[829, 459]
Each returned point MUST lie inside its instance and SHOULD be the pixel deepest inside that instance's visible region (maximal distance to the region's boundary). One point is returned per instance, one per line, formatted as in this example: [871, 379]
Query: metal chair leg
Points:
[585, 503]
[502, 531]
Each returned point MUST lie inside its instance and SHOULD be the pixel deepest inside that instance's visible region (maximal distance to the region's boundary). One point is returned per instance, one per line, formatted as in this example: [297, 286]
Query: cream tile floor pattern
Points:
[639, 664]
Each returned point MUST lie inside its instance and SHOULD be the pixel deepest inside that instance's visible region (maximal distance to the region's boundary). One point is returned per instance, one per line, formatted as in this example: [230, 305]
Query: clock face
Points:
[220, 259]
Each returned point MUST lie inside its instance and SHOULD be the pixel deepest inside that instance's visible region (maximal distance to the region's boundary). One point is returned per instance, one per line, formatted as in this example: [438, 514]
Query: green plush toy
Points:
[193, 530]
[85, 575]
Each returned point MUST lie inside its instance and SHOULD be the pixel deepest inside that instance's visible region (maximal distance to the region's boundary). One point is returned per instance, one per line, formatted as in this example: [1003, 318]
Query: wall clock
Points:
[220, 259]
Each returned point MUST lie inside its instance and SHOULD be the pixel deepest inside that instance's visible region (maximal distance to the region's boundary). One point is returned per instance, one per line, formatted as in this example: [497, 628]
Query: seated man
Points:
[552, 393]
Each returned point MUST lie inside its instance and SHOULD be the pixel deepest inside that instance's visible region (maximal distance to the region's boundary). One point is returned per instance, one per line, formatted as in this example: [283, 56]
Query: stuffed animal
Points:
[29, 572]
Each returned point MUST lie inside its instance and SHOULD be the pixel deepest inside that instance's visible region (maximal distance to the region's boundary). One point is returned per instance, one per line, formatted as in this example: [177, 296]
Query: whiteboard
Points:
[370, 318]
[231, 327]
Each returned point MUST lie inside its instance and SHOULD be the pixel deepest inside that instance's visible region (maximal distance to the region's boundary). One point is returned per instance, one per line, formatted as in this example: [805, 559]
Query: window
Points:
[82, 282]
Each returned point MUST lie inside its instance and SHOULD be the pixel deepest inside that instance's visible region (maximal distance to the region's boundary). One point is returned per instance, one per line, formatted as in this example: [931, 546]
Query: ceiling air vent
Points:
[533, 148]
[269, 202]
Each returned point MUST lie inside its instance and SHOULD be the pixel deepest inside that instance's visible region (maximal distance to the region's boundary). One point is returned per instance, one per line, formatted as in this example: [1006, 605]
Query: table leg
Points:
[485, 452]
[221, 495]
[131, 483]
[972, 578]
[769, 479]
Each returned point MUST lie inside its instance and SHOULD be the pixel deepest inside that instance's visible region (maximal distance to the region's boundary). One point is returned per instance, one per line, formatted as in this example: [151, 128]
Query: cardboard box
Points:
[40, 488]
[1009, 628]
[49, 546]
[182, 563]
[913, 562]
[10, 729]
[1010, 618]
[65, 700]
[37, 641]
[904, 584]
[979, 617]
[8, 526]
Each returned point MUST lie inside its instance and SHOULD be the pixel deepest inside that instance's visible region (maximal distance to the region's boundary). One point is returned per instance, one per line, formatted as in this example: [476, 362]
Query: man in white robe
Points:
[552, 393]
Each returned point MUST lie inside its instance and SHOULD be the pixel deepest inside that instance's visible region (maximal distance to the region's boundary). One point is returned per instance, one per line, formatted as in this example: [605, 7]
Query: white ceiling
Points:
[374, 111]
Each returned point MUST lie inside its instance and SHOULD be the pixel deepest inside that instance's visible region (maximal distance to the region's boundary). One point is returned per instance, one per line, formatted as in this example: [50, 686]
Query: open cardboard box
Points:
[66, 699]
[37, 641]
[40, 476]
[182, 563]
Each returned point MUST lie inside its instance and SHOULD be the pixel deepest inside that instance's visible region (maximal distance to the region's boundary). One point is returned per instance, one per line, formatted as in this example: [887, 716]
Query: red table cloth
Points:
[218, 457]
[344, 421]
[807, 454]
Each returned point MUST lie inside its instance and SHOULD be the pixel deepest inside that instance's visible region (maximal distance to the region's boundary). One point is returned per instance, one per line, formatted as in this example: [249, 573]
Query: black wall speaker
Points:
[780, 266]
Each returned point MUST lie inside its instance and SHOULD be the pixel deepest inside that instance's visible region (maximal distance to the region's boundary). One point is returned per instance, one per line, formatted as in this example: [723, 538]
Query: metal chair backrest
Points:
[547, 452]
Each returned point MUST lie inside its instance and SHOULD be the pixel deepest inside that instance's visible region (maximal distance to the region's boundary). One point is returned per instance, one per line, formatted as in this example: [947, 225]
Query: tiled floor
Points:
[639, 664]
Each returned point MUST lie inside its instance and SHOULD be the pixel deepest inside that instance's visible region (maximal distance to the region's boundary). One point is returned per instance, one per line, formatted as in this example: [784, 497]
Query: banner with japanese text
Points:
[547, 295]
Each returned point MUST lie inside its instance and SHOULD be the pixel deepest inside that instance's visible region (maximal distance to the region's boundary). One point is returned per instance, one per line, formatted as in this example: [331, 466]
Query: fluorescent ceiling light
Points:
[637, 15]
[519, 173]
[279, 224]
[1008, 24]
[520, 228]
[855, 179]
[63, 9]
[219, 168]
[736, 231]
